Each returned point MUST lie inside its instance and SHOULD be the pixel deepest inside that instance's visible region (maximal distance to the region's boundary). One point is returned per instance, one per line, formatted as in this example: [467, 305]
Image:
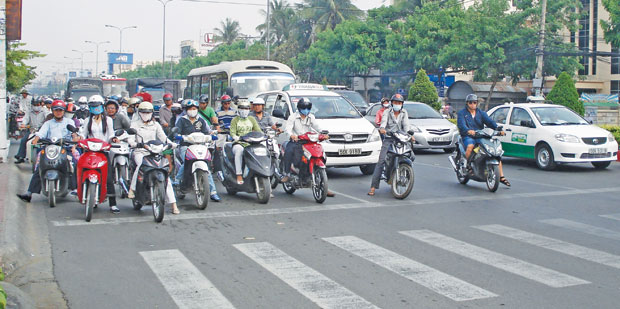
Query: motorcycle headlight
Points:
[93, 146]
[402, 137]
[52, 152]
[375, 136]
[313, 137]
[568, 138]
[260, 151]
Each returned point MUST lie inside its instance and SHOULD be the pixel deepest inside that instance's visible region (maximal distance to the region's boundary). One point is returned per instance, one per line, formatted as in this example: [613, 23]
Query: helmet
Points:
[69, 100]
[258, 101]
[112, 101]
[113, 97]
[95, 100]
[71, 108]
[24, 91]
[203, 98]
[59, 104]
[304, 104]
[397, 97]
[176, 108]
[190, 103]
[471, 97]
[135, 100]
[244, 104]
[225, 98]
[167, 96]
[49, 101]
[384, 99]
[123, 100]
[180, 100]
[82, 100]
[145, 107]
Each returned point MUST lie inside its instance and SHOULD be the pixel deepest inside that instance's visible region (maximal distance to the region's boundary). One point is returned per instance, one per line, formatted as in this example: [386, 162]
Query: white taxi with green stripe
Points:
[552, 134]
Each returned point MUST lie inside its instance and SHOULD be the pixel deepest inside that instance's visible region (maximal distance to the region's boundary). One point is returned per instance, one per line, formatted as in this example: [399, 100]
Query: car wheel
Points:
[367, 169]
[544, 157]
[601, 164]
[449, 150]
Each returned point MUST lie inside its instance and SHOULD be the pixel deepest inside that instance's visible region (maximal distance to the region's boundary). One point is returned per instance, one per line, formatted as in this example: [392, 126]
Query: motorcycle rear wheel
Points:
[202, 195]
[51, 193]
[405, 180]
[319, 188]
[492, 177]
[159, 201]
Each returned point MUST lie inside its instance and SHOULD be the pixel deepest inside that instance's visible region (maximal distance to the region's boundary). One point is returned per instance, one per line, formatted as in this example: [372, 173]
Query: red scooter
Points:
[311, 172]
[92, 174]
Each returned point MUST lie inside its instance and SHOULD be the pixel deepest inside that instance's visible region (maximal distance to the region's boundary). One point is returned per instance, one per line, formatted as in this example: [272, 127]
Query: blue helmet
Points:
[190, 103]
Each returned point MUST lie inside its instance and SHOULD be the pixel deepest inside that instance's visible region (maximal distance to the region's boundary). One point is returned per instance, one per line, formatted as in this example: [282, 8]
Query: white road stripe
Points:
[612, 216]
[305, 209]
[584, 228]
[581, 252]
[435, 280]
[187, 286]
[315, 286]
[531, 271]
[351, 197]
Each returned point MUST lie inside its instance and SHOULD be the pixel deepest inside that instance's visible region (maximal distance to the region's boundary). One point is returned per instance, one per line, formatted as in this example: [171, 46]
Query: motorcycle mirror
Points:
[363, 112]
[71, 128]
[278, 125]
[500, 128]
[119, 132]
[132, 131]
[410, 132]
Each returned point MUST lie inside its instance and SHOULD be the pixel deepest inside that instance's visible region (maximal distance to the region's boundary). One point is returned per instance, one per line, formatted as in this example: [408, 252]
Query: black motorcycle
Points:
[55, 168]
[257, 167]
[485, 161]
[398, 170]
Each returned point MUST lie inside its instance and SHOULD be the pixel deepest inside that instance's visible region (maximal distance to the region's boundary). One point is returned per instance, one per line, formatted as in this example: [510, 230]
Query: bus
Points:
[244, 78]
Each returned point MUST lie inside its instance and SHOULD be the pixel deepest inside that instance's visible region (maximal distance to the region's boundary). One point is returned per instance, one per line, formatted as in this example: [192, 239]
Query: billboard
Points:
[13, 20]
[120, 58]
[207, 40]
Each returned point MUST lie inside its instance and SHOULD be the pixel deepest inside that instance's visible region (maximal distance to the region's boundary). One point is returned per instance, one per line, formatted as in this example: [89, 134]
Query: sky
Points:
[56, 27]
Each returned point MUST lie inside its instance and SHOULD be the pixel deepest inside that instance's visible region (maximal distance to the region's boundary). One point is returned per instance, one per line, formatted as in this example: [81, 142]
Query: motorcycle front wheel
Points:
[159, 201]
[202, 195]
[51, 193]
[264, 189]
[403, 184]
[91, 199]
[492, 177]
[319, 187]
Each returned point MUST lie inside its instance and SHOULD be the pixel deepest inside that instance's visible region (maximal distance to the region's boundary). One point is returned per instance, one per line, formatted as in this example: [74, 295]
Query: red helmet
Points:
[71, 108]
[59, 104]
[225, 98]
[168, 96]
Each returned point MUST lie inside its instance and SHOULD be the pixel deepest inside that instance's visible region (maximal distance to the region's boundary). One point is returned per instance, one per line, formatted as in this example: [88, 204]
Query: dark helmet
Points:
[304, 104]
[167, 96]
[397, 97]
[471, 97]
[225, 98]
[49, 101]
[203, 98]
[69, 100]
[113, 97]
[384, 99]
[112, 101]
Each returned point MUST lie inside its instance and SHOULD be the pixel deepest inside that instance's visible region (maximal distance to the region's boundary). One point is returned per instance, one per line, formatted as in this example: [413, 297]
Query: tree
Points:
[229, 31]
[18, 74]
[423, 90]
[328, 13]
[611, 28]
[282, 22]
[564, 93]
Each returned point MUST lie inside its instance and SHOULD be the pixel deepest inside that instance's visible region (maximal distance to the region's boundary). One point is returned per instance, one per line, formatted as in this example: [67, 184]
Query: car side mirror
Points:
[500, 128]
[119, 132]
[132, 131]
[71, 128]
[278, 113]
[590, 121]
[363, 112]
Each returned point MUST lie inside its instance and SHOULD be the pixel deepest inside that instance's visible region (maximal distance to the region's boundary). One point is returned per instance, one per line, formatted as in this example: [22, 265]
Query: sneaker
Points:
[74, 193]
[20, 160]
[24, 197]
[215, 197]
[114, 209]
[131, 195]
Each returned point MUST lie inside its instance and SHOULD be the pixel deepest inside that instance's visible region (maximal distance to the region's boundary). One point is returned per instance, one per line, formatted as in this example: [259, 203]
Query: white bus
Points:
[244, 78]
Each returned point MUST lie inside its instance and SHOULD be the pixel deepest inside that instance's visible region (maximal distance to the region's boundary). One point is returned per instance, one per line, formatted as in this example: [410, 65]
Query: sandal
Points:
[504, 181]
[371, 193]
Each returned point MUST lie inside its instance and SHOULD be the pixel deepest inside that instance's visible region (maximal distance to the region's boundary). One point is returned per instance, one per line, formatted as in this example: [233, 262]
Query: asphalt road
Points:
[551, 240]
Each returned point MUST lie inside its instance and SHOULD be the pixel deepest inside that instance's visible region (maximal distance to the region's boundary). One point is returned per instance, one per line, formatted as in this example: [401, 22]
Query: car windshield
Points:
[421, 111]
[557, 116]
[157, 94]
[354, 97]
[114, 87]
[328, 107]
[247, 85]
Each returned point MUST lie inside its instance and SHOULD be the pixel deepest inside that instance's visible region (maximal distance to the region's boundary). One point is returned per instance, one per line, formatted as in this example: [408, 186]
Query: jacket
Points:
[466, 122]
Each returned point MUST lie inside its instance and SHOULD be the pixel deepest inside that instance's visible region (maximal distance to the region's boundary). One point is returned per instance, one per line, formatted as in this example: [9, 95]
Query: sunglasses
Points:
[472, 102]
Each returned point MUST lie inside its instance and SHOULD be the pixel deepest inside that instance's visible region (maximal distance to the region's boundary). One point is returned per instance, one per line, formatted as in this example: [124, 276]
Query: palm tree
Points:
[282, 22]
[326, 14]
[228, 32]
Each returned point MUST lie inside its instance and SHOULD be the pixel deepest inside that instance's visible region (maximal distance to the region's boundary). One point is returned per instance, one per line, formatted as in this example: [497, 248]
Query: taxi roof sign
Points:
[305, 86]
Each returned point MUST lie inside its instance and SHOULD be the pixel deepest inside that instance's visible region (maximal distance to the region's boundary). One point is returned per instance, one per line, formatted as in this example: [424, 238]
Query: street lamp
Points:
[120, 30]
[81, 52]
[163, 56]
[97, 61]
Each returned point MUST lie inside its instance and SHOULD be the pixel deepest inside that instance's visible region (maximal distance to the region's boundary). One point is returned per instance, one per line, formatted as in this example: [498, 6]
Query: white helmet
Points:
[83, 100]
[257, 101]
[95, 99]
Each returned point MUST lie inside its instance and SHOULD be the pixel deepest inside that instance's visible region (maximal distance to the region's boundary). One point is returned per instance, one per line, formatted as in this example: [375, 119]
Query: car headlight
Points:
[568, 138]
[610, 138]
[375, 136]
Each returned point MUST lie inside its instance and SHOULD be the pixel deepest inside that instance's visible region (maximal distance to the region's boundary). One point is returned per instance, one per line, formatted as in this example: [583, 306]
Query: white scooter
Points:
[196, 171]
[120, 161]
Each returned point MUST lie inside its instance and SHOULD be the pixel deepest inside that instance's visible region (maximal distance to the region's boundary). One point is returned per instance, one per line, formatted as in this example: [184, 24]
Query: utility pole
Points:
[267, 38]
[4, 141]
[97, 61]
[538, 81]
[163, 56]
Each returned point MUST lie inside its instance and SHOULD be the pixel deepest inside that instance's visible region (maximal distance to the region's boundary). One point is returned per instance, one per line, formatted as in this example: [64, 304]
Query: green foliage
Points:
[611, 27]
[228, 32]
[564, 93]
[18, 74]
[424, 91]
[3, 295]
[615, 131]
[326, 14]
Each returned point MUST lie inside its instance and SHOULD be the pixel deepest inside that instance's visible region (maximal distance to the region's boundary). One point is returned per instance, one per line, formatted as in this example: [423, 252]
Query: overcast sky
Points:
[56, 27]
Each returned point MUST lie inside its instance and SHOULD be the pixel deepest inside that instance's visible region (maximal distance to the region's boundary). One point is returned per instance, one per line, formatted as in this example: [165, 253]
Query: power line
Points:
[300, 6]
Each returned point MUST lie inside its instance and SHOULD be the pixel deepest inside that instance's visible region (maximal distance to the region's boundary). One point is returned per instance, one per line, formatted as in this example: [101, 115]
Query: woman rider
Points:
[240, 126]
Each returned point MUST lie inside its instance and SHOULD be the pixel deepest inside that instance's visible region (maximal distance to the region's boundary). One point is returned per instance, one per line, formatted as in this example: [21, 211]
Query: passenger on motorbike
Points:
[119, 120]
[240, 126]
[82, 112]
[47, 102]
[470, 119]
[131, 109]
[33, 119]
[148, 130]
[177, 109]
[70, 114]
[207, 112]
[55, 128]
[263, 119]
[165, 113]
[394, 119]
[385, 104]
[187, 125]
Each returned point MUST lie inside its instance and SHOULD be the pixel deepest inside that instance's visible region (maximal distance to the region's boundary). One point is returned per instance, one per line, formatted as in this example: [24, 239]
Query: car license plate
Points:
[440, 139]
[597, 150]
[349, 151]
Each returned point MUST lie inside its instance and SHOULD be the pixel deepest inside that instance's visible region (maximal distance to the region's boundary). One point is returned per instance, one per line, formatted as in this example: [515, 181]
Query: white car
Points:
[353, 141]
[552, 134]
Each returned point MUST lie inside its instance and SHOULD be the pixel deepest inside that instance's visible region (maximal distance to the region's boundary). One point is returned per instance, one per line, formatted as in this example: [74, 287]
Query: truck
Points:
[113, 85]
[87, 87]
[157, 87]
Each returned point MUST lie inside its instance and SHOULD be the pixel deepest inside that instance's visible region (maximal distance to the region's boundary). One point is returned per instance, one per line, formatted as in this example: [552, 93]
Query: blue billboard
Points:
[120, 58]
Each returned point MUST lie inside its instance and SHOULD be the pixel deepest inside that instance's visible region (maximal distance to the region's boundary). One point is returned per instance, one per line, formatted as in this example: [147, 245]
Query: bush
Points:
[564, 93]
[2, 293]
[423, 90]
[615, 131]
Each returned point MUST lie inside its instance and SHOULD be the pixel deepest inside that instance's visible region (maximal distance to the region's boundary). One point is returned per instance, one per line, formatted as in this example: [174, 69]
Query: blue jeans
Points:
[179, 176]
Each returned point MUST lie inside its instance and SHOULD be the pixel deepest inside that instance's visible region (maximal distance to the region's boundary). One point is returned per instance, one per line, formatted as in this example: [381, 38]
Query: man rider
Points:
[119, 120]
[470, 119]
[165, 113]
[264, 120]
[207, 112]
[35, 117]
[187, 125]
[55, 128]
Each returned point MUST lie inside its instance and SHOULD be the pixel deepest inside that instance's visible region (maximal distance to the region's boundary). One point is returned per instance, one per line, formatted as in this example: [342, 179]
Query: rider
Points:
[394, 119]
[119, 120]
[264, 120]
[177, 109]
[47, 102]
[101, 127]
[187, 125]
[25, 101]
[82, 112]
[470, 119]
[70, 114]
[34, 117]
[240, 126]
[385, 104]
[148, 130]
[131, 109]
[165, 113]
[207, 112]
[55, 128]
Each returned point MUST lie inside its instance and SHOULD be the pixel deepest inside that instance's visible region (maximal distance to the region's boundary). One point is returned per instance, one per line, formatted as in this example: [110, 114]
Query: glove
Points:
[236, 138]
[214, 137]
[179, 138]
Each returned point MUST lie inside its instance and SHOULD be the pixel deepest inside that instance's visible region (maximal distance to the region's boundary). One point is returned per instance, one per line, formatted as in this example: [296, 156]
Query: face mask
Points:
[123, 109]
[244, 113]
[386, 104]
[305, 111]
[68, 115]
[397, 108]
[146, 117]
[96, 110]
[36, 108]
[192, 113]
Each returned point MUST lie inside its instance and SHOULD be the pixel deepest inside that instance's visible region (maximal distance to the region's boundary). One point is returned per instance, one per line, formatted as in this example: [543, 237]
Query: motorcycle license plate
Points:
[349, 151]
[597, 150]
[440, 139]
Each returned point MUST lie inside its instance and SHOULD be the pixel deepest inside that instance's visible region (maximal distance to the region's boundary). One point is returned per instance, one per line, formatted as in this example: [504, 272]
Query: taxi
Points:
[553, 134]
[353, 140]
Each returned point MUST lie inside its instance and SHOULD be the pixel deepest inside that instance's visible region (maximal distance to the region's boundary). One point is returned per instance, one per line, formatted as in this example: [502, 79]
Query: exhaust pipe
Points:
[451, 158]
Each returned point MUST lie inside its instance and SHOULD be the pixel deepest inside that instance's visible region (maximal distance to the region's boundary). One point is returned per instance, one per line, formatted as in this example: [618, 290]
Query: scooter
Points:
[257, 168]
[92, 174]
[55, 169]
[196, 171]
[484, 163]
[120, 159]
[274, 151]
[311, 173]
[398, 169]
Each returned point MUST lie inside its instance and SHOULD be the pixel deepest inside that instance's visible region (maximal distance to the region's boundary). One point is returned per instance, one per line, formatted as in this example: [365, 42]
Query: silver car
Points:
[432, 131]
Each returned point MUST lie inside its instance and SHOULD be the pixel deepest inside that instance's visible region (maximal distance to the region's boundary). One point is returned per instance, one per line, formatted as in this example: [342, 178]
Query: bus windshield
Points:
[114, 87]
[246, 85]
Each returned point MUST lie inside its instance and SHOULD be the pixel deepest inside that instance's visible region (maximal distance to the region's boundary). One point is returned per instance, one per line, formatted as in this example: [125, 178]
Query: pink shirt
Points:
[379, 116]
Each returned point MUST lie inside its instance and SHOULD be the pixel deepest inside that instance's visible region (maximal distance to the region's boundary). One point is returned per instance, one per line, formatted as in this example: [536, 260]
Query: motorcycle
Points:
[152, 179]
[257, 168]
[92, 174]
[484, 163]
[274, 151]
[55, 169]
[120, 159]
[311, 173]
[196, 172]
[398, 169]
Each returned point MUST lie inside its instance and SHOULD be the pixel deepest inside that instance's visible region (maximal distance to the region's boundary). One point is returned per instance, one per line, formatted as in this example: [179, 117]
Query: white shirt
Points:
[147, 132]
[24, 103]
[296, 126]
[97, 129]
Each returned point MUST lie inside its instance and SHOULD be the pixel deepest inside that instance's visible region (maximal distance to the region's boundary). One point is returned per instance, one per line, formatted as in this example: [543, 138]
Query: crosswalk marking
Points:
[612, 216]
[584, 228]
[519, 267]
[187, 286]
[315, 286]
[426, 276]
[585, 253]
